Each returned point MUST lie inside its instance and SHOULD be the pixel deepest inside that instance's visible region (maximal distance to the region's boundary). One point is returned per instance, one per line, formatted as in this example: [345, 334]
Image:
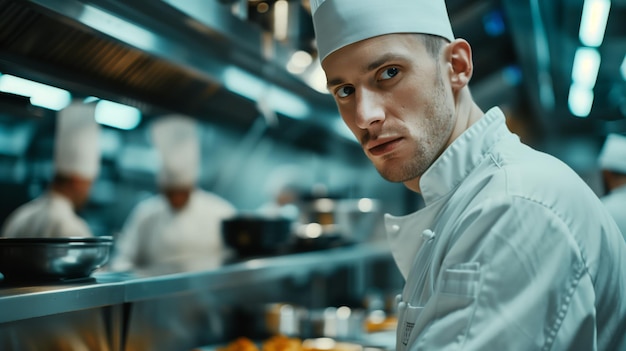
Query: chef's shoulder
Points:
[217, 203]
[153, 205]
[71, 227]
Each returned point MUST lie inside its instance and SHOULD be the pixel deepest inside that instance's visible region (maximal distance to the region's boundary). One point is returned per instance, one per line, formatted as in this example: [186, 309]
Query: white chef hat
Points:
[613, 154]
[176, 138]
[77, 141]
[339, 23]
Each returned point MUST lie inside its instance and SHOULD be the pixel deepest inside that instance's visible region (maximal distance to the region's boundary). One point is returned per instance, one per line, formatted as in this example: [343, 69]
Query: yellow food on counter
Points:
[240, 344]
[328, 344]
[373, 325]
[282, 343]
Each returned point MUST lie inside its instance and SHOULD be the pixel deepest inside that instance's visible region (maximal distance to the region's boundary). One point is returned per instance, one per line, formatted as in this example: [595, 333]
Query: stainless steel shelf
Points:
[37, 301]
[117, 288]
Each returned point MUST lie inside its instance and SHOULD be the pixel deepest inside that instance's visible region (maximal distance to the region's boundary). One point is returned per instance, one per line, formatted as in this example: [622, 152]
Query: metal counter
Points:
[17, 303]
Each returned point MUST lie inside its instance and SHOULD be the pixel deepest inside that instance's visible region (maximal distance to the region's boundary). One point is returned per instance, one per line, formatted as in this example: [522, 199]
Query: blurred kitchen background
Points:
[557, 68]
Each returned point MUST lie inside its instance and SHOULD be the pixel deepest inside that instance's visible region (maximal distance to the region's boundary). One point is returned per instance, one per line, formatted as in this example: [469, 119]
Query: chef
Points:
[178, 229]
[612, 161]
[76, 165]
[512, 250]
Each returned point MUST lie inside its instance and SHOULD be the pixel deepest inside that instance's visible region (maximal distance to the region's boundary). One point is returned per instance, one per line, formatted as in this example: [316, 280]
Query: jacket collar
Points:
[462, 156]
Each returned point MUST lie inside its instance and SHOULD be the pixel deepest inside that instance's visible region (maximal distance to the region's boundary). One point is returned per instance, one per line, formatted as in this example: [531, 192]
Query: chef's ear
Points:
[459, 58]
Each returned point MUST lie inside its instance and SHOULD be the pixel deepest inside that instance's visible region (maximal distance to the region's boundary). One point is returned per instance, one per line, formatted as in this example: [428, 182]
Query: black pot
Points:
[257, 235]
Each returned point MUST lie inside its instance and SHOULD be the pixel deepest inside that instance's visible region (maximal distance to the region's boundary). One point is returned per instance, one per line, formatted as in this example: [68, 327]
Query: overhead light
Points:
[299, 62]
[254, 88]
[262, 7]
[281, 19]
[586, 67]
[512, 75]
[593, 22]
[243, 83]
[623, 68]
[580, 100]
[494, 23]
[117, 115]
[118, 28]
[40, 94]
[316, 78]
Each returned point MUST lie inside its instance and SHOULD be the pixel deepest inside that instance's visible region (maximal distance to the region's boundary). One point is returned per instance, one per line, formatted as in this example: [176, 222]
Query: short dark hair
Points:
[433, 43]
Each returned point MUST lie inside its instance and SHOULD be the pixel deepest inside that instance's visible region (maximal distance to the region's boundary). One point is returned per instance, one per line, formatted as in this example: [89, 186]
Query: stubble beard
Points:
[437, 127]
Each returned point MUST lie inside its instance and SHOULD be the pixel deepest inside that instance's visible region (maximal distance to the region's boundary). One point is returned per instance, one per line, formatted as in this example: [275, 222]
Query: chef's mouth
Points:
[384, 147]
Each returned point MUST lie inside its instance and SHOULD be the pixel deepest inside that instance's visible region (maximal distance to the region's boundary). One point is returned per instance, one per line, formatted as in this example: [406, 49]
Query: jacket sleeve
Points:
[128, 242]
[513, 279]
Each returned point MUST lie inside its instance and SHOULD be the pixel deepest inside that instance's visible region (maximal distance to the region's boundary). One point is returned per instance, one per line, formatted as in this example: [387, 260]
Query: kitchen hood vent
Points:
[88, 48]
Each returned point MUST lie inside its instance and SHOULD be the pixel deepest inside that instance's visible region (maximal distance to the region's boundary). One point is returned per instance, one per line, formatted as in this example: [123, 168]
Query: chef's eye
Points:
[389, 73]
[344, 91]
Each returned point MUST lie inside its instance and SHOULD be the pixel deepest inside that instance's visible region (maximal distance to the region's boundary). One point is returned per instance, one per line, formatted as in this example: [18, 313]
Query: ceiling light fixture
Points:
[315, 77]
[586, 67]
[118, 28]
[254, 88]
[40, 94]
[117, 115]
[281, 19]
[593, 22]
[580, 100]
[299, 62]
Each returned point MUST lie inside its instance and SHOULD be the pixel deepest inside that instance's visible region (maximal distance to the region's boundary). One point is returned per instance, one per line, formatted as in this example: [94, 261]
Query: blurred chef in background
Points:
[612, 161]
[285, 186]
[76, 165]
[178, 229]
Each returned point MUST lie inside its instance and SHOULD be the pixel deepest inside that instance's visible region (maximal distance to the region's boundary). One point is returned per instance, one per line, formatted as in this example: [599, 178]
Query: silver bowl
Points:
[52, 259]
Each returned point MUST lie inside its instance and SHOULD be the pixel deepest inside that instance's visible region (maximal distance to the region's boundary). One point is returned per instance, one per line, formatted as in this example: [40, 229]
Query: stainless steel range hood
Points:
[160, 56]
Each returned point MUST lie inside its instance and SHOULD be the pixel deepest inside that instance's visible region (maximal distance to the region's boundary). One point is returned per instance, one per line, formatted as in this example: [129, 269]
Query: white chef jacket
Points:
[156, 238]
[615, 202]
[50, 215]
[512, 251]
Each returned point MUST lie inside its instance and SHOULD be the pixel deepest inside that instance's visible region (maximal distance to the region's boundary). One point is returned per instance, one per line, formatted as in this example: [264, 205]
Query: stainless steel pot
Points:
[341, 323]
[52, 259]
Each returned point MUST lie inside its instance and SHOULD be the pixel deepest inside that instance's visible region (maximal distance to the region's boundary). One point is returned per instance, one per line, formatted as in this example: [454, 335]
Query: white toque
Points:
[339, 23]
[176, 137]
[77, 141]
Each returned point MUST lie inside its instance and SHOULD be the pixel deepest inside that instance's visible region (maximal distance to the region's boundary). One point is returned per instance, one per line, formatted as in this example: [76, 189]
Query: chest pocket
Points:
[457, 291]
[456, 296]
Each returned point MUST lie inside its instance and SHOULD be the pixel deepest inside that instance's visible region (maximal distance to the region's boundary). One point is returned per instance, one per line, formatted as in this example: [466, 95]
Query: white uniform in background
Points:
[513, 264]
[76, 151]
[613, 158]
[51, 215]
[157, 238]
[615, 202]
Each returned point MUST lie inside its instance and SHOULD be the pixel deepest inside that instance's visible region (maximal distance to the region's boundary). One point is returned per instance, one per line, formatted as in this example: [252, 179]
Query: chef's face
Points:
[82, 188]
[396, 99]
[177, 197]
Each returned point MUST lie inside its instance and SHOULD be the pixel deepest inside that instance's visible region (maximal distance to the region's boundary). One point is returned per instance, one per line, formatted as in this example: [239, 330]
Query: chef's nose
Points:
[369, 109]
